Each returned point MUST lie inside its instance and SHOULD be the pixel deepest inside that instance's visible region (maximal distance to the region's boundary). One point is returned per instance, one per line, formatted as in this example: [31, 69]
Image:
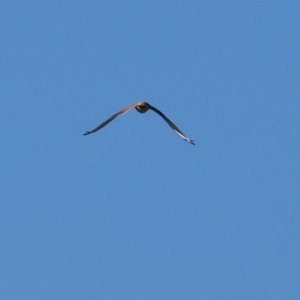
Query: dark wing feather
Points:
[122, 111]
[172, 125]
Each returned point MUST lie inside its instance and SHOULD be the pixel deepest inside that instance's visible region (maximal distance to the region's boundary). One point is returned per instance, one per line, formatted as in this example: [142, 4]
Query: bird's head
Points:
[142, 107]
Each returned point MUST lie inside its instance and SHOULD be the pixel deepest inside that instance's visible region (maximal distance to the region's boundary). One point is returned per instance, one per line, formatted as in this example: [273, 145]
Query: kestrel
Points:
[142, 107]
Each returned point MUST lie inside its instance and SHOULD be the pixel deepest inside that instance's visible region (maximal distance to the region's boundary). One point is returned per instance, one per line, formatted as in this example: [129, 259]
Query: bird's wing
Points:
[172, 125]
[122, 111]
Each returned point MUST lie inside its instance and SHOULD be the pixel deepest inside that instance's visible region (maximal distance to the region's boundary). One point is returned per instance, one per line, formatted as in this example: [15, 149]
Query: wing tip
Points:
[87, 132]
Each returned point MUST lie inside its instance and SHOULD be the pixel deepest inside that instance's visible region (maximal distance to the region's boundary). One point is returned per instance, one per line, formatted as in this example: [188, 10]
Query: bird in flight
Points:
[142, 107]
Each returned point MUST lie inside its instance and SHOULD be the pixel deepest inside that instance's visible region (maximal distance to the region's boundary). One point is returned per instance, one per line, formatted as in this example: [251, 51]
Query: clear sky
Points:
[133, 211]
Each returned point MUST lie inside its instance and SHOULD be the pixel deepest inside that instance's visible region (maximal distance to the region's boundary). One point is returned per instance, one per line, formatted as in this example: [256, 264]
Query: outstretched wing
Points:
[172, 125]
[122, 111]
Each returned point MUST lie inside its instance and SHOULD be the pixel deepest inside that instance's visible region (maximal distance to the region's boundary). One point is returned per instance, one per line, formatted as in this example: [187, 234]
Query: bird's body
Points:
[142, 107]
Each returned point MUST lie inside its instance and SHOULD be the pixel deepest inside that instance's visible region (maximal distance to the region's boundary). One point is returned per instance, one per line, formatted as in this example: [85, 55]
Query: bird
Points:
[142, 107]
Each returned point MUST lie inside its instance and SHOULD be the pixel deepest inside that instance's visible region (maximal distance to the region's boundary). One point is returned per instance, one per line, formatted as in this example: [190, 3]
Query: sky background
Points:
[133, 211]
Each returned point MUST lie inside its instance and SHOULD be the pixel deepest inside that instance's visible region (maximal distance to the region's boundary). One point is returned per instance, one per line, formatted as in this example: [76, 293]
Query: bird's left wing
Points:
[172, 125]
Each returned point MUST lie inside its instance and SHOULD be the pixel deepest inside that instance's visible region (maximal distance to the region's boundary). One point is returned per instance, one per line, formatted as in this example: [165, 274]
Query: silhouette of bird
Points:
[142, 107]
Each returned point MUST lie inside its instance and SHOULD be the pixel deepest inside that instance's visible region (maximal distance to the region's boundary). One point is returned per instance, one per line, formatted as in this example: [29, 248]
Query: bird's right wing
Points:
[122, 111]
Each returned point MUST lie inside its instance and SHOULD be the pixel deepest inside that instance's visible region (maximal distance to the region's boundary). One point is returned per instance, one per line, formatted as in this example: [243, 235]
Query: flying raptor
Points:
[142, 107]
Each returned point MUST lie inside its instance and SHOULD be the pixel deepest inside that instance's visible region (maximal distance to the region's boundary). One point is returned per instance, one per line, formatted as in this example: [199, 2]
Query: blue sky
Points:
[132, 211]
